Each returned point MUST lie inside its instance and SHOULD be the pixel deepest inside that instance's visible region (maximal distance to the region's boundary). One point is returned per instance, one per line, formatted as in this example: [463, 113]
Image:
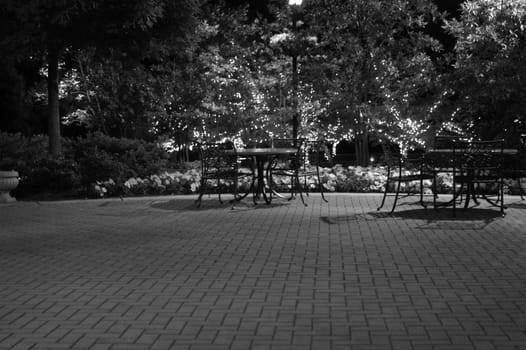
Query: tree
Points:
[368, 49]
[230, 83]
[490, 68]
[219, 85]
[54, 28]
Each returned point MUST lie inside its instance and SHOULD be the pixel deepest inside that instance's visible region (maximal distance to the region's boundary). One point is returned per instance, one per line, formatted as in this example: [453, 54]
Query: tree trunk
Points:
[55, 142]
[362, 148]
[361, 138]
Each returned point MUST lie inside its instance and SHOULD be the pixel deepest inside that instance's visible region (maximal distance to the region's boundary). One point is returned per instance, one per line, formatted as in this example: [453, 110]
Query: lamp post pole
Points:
[295, 116]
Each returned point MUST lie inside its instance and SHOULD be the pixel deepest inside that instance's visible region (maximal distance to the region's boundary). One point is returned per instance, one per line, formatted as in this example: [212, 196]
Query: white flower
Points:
[312, 39]
[131, 182]
[156, 179]
[278, 38]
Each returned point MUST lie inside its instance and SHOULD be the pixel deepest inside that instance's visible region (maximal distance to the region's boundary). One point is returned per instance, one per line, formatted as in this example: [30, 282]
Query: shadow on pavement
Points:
[334, 220]
[421, 218]
[190, 205]
[214, 204]
[442, 214]
[516, 205]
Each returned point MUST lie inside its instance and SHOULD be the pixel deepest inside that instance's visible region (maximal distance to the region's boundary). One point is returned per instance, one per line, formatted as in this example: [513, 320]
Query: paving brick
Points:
[156, 273]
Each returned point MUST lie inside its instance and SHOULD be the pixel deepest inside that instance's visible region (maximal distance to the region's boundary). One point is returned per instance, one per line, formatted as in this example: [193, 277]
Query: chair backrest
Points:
[520, 158]
[217, 157]
[294, 161]
[455, 147]
[287, 142]
[413, 160]
[316, 152]
[522, 144]
[483, 155]
[449, 141]
[392, 155]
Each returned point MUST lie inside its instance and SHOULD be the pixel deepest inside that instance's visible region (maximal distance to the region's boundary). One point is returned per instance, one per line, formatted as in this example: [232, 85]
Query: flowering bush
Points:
[99, 166]
[188, 180]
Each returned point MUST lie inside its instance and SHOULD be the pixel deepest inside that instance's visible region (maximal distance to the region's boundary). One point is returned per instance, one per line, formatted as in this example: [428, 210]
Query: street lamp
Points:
[295, 116]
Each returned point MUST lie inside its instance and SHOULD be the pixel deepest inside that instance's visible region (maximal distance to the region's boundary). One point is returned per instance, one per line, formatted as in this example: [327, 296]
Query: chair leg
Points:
[422, 194]
[454, 194]
[298, 183]
[268, 175]
[252, 184]
[320, 185]
[323, 194]
[470, 193]
[501, 190]
[435, 194]
[385, 190]
[396, 197]
[247, 192]
[219, 190]
[201, 193]
[235, 193]
[198, 200]
[292, 185]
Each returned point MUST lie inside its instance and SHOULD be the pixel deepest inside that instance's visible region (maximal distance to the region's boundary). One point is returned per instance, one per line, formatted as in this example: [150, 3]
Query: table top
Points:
[266, 151]
[505, 151]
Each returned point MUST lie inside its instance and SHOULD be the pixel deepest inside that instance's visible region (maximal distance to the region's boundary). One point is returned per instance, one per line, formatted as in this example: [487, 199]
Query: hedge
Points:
[102, 166]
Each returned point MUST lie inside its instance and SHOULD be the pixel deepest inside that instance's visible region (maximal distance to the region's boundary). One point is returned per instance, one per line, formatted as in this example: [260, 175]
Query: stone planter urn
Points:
[8, 182]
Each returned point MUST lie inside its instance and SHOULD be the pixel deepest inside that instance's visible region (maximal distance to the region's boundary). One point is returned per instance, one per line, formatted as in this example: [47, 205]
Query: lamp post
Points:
[295, 4]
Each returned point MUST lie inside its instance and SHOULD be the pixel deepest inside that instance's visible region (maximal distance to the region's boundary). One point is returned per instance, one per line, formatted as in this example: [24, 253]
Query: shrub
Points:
[102, 166]
[85, 162]
[38, 170]
[21, 153]
[51, 174]
[102, 157]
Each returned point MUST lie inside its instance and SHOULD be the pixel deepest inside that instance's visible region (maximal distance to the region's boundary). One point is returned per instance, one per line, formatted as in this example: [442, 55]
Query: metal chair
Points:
[219, 164]
[401, 169]
[443, 159]
[480, 172]
[515, 168]
[313, 153]
[287, 166]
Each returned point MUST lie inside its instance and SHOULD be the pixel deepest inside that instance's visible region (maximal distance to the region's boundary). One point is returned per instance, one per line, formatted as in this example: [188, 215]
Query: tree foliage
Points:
[217, 86]
[53, 28]
[490, 68]
[183, 69]
[371, 66]
[233, 83]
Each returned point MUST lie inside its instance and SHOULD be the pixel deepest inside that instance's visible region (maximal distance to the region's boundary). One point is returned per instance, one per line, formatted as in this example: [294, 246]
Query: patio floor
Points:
[157, 273]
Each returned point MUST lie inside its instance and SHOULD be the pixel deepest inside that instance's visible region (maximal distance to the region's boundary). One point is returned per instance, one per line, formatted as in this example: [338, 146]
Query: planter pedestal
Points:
[8, 182]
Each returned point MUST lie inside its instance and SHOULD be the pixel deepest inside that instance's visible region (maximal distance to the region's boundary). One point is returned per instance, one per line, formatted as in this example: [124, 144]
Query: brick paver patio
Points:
[156, 273]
